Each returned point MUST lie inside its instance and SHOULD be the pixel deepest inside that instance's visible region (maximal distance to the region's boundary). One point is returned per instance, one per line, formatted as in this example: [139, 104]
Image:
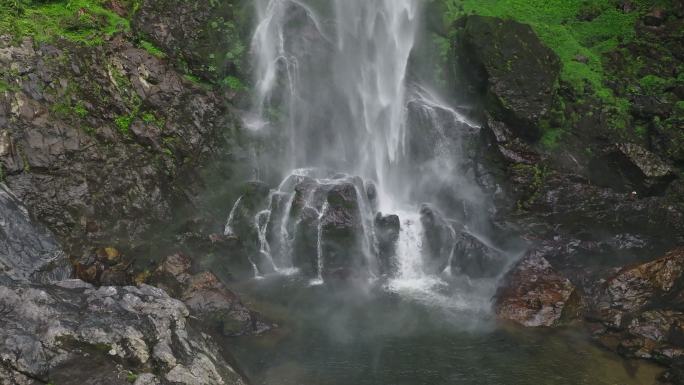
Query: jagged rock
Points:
[438, 240]
[28, 250]
[533, 294]
[208, 299]
[475, 259]
[70, 155]
[643, 286]
[387, 228]
[504, 62]
[70, 332]
[342, 248]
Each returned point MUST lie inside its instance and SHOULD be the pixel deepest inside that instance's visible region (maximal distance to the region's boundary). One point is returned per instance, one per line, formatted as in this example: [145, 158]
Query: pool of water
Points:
[370, 335]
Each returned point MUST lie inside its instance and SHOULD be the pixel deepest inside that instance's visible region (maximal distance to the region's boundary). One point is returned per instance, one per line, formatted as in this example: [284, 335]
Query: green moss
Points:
[551, 138]
[87, 22]
[652, 85]
[151, 49]
[131, 377]
[123, 124]
[233, 83]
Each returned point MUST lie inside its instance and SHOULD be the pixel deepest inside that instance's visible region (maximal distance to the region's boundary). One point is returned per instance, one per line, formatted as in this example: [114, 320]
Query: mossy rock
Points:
[505, 65]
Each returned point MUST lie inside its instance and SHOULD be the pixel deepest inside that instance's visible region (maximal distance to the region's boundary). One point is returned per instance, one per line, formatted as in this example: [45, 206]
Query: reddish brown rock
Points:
[208, 299]
[534, 294]
[637, 287]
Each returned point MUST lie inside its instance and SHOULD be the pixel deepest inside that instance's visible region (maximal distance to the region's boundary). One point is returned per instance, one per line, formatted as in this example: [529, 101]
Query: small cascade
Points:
[231, 217]
[319, 244]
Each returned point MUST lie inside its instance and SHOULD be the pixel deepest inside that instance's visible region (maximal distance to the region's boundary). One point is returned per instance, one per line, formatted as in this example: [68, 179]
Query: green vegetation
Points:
[579, 32]
[131, 377]
[151, 49]
[83, 21]
[233, 83]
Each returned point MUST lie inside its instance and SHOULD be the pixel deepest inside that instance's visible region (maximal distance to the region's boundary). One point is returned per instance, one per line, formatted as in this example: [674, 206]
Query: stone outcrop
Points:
[71, 332]
[98, 142]
[207, 298]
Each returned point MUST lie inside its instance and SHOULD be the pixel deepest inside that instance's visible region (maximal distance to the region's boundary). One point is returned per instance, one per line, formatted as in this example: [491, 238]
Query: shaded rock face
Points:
[475, 259]
[504, 62]
[534, 294]
[28, 251]
[71, 332]
[629, 167]
[209, 300]
[438, 240]
[387, 228]
[98, 141]
[210, 39]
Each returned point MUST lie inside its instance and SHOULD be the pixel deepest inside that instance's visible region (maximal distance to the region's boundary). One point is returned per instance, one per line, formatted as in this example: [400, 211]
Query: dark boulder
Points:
[503, 62]
[342, 233]
[438, 240]
[305, 244]
[475, 259]
[28, 250]
[387, 228]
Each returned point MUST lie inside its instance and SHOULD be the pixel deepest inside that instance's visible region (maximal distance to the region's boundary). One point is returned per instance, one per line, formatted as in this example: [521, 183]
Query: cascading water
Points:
[333, 89]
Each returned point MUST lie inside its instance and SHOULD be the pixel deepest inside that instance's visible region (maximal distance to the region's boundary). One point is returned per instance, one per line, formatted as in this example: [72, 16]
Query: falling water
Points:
[333, 89]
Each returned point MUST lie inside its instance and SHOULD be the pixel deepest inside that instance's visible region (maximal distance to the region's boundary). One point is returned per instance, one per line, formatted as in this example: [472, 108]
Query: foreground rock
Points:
[28, 251]
[640, 310]
[534, 294]
[209, 300]
[73, 333]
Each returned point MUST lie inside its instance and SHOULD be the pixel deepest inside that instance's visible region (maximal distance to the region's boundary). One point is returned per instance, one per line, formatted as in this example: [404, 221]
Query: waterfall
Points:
[333, 92]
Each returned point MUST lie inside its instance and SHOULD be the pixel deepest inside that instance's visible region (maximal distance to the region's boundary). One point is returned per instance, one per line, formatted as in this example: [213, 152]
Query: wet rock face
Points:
[505, 63]
[342, 232]
[438, 240]
[97, 141]
[534, 294]
[71, 332]
[387, 228]
[629, 167]
[475, 259]
[28, 251]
